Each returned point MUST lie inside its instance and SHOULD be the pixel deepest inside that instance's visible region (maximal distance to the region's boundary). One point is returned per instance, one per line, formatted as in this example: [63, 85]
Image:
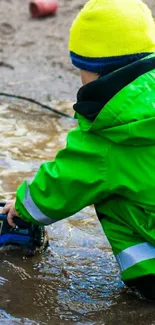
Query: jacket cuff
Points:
[22, 212]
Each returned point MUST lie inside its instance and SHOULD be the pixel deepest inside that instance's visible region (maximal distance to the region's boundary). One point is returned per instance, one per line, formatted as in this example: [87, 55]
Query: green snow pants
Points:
[131, 232]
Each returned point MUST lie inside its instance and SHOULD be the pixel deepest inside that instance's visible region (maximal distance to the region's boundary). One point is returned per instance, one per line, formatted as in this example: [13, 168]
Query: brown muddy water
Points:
[77, 280]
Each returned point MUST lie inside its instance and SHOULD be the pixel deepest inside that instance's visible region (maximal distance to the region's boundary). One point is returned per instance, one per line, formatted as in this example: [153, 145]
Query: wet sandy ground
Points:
[34, 57]
[77, 281]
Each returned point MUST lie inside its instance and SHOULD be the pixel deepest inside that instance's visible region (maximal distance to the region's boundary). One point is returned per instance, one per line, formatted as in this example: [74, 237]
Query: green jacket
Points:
[111, 155]
[109, 159]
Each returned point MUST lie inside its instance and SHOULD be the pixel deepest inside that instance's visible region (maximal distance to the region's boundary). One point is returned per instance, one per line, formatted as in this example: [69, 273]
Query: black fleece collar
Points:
[92, 97]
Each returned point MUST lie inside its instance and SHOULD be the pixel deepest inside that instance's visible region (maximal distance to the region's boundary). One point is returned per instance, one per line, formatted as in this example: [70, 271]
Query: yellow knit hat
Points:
[112, 28]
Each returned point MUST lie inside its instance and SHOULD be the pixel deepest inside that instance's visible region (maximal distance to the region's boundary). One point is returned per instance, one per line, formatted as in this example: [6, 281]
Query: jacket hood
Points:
[121, 106]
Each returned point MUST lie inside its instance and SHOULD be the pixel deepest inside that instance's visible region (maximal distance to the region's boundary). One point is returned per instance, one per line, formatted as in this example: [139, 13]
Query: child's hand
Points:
[10, 210]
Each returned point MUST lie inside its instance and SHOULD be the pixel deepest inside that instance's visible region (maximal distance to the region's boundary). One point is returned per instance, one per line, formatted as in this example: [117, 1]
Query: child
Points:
[109, 159]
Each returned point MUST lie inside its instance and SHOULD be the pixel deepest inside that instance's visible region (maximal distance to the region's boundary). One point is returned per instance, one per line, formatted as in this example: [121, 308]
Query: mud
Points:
[77, 281]
[34, 57]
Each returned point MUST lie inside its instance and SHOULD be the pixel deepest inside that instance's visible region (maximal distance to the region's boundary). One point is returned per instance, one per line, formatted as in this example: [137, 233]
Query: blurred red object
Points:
[42, 8]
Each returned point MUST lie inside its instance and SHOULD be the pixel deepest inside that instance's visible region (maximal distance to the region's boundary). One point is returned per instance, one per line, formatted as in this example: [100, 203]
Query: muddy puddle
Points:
[77, 280]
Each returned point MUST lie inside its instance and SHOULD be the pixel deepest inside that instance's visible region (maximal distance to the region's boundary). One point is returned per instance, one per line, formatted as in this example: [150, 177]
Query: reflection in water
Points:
[77, 280]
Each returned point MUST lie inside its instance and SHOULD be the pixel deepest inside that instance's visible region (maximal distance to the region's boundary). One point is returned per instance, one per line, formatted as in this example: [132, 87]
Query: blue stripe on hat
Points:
[104, 65]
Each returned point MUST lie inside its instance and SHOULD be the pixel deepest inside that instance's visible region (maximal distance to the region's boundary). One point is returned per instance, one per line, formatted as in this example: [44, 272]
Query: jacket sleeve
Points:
[75, 179]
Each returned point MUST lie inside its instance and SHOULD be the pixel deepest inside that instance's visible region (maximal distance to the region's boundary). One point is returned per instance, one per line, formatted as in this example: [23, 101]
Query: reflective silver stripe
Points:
[135, 254]
[34, 210]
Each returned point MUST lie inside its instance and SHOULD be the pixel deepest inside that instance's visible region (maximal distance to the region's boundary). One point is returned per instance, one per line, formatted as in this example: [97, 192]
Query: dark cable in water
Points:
[31, 100]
